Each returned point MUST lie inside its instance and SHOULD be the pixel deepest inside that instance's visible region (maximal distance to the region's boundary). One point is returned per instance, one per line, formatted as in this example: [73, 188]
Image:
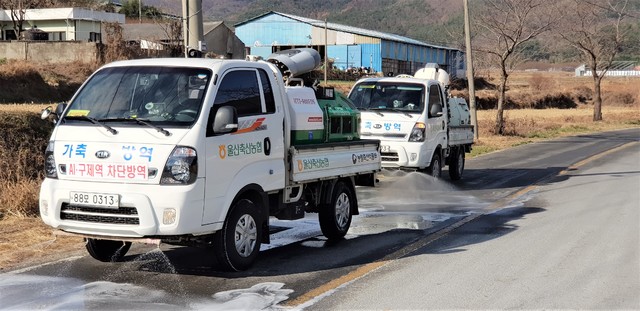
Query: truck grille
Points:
[389, 156]
[122, 215]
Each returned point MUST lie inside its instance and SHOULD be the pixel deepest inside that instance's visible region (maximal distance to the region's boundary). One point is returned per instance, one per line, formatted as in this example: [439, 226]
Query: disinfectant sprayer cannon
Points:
[333, 119]
[295, 62]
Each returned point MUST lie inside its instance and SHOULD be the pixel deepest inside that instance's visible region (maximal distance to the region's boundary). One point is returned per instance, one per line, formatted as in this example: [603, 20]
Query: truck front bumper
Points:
[406, 155]
[144, 210]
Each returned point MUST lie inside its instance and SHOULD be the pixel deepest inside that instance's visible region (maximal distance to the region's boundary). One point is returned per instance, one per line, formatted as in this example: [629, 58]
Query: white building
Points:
[61, 24]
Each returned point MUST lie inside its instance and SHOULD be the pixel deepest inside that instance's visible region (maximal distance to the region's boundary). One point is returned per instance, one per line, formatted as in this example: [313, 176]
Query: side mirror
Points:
[45, 113]
[57, 113]
[435, 111]
[225, 120]
[60, 109]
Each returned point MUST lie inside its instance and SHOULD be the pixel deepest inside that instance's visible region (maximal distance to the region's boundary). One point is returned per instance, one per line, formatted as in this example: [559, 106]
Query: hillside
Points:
[425, 20]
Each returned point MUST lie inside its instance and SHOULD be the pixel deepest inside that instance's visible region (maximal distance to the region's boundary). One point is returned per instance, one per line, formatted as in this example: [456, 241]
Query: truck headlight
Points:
[417, 133]
[50, 170]
[181, 167]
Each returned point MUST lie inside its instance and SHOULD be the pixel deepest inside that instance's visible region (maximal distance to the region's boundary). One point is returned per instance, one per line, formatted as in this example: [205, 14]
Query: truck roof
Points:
[396, 80]
[181, 62]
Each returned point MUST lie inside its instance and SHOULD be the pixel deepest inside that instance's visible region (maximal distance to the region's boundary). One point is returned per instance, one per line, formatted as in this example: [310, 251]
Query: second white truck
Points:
[202, 152]
[419, 125]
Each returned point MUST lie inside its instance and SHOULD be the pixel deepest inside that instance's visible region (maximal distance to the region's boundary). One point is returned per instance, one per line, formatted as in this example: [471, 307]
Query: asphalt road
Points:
[546, 225]
[573, 244]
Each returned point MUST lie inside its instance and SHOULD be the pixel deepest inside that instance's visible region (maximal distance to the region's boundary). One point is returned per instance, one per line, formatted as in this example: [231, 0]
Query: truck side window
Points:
[435, 101]
[267, 91]
[240, 89]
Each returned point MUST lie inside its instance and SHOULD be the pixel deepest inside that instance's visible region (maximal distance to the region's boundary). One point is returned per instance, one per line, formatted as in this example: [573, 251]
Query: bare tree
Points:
[173, 31]
[116, 48]
[501, 28]
[18, 9]
[596, 29]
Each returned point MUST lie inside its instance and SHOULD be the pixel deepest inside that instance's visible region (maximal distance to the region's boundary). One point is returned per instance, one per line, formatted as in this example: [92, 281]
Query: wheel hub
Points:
[246, 235]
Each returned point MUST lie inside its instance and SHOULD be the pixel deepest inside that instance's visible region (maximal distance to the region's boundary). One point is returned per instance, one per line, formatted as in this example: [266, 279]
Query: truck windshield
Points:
[391, 96]
[166, 96]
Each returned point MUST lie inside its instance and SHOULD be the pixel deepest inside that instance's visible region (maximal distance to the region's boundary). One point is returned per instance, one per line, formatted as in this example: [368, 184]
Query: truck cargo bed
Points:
[328, 160]
[460, 135]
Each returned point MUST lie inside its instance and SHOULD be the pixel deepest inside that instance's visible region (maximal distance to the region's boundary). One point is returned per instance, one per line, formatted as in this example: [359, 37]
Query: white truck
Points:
[202, 152]
[418, 123]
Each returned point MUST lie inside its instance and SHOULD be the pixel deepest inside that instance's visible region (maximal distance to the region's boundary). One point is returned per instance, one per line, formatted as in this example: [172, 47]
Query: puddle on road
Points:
[30, 292]
[410, 200]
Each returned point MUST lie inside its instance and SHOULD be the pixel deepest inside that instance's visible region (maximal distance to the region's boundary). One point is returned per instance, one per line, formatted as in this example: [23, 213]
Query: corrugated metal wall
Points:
[371, 56]
[347, 49]
[346, 56]
[273, 30]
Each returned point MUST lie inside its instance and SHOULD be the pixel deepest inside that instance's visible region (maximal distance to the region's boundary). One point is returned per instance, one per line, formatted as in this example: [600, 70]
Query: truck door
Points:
[436, 119]
[252, 155]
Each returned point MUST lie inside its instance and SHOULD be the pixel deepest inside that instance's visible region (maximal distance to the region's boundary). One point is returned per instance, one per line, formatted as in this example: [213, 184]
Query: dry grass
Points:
[27, 241]
[24, 81]
[530, 125]
[35, 108]
[23, 139]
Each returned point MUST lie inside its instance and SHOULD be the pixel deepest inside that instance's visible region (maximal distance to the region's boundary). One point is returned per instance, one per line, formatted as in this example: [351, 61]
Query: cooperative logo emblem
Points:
[102, 154]
[377, 126]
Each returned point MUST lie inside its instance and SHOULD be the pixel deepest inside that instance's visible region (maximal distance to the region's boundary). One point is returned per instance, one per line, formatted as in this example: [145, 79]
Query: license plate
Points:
[385, 148]
[105, 200]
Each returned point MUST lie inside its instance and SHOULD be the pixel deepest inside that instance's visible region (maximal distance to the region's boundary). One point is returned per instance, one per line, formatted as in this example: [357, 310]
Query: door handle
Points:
[267, 146]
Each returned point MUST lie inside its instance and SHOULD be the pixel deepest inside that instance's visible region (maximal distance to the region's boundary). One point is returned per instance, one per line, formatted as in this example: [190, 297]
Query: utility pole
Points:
[326, 61]
[470, 79]
[139, 11]
[195, 24]
[185, 27]
[192, 25]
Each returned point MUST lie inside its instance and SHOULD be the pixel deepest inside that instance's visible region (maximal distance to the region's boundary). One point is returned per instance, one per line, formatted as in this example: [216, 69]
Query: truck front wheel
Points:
[456, 166]
[435, 168]
[237, 245]
[335, 218]
[107, 250]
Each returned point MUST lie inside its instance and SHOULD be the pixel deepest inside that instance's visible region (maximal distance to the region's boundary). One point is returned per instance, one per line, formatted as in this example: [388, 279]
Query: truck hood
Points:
[388, 126]
[133, 155]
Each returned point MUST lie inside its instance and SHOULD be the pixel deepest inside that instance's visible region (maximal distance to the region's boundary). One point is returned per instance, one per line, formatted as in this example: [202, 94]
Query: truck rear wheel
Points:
[435, 168]
[237, 245]
[335, 218]
[456, 166]
[107, 250]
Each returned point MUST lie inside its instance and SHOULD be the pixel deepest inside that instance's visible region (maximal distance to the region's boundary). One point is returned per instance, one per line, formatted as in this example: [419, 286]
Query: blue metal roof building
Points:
[347, 46]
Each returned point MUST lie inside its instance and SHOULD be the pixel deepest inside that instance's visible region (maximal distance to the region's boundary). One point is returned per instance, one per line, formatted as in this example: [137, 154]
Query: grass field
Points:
[24, 137]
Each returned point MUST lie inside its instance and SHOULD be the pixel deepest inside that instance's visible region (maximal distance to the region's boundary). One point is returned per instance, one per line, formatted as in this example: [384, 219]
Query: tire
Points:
[435, 168]
[237, 245]
[335, 217]
[107, 250]
[456, 166]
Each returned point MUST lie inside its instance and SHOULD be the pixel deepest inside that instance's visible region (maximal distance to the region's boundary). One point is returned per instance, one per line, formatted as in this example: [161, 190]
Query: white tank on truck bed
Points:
[307, 122]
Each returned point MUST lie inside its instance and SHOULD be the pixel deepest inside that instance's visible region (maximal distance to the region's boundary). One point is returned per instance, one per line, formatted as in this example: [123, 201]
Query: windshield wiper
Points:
[94, 121]
[139, 121]
[159, 129]
[375, 110]
[401, 111]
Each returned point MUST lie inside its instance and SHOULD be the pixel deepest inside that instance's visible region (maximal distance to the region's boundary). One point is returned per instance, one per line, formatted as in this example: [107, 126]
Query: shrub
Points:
[23, 140]
[539, 83]
[623, 99]
[560, 101]
[582, 94]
